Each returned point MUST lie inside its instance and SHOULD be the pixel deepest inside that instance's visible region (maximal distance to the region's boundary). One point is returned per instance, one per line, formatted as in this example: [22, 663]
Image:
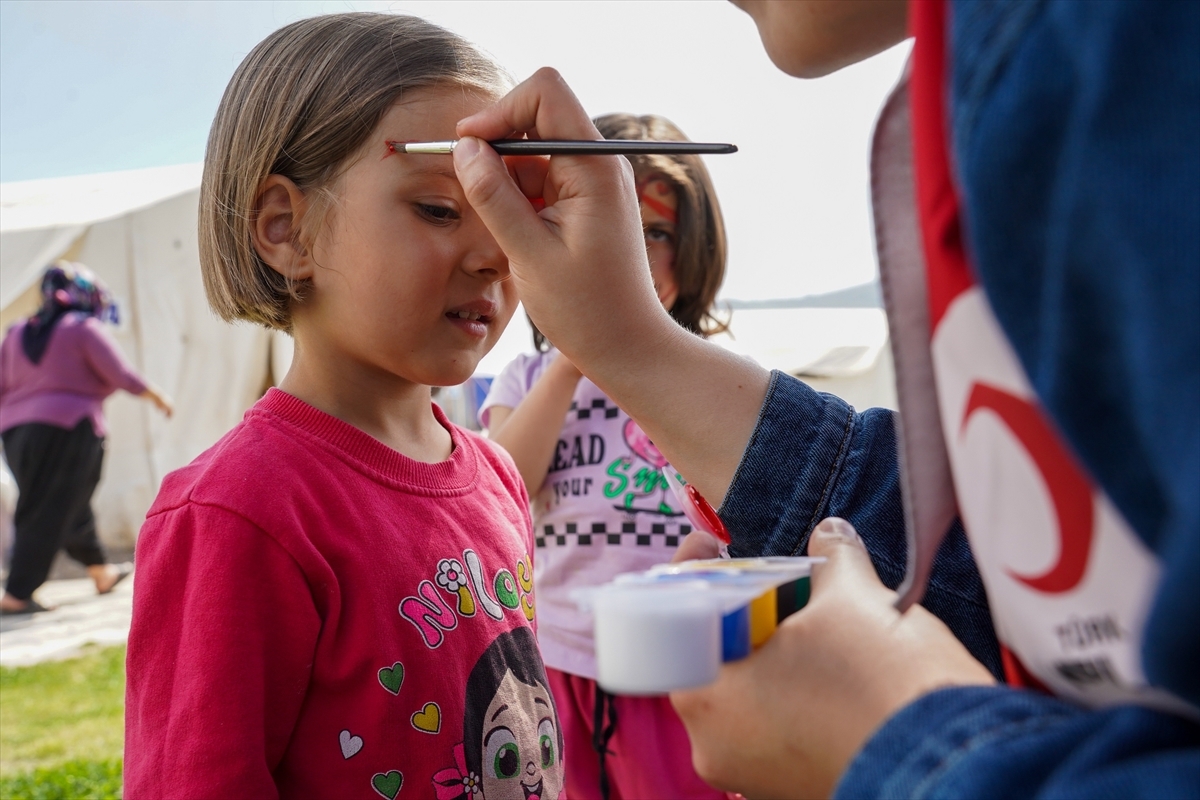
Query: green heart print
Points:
[388, 785]
[392, 677]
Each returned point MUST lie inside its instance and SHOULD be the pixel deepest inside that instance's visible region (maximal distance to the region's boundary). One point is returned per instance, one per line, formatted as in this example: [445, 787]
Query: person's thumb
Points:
[494, 195]
[696, 545]
[846, 557]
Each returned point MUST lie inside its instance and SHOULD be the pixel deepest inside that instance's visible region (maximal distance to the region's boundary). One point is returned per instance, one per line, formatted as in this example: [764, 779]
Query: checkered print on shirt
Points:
[599, 406]
[667, 534]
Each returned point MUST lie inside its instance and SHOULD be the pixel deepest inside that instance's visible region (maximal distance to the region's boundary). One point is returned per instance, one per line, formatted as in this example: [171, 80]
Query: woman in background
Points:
[56, 369]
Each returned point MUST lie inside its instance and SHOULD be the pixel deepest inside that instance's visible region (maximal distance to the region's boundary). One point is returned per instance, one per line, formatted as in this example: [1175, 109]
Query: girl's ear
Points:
[275, 228]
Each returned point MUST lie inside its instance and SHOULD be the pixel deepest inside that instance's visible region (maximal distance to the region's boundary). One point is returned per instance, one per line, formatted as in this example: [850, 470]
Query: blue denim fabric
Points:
[812, 456]
[1077, 139]
[985, 742]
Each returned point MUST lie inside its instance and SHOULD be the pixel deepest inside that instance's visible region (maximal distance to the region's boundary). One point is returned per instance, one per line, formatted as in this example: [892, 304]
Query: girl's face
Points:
[520, 753]
[406, 281]
[660, 203]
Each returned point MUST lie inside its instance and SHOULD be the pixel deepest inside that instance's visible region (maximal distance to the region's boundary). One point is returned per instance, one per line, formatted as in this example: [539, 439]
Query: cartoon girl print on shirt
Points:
[512, 742]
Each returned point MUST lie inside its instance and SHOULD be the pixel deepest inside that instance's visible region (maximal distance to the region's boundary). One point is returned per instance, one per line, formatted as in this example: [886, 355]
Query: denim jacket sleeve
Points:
[999, 742]
[812, 456]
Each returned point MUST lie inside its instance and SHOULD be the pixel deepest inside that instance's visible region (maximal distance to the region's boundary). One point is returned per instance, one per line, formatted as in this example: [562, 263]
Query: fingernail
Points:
[467, 149]
[836, 527]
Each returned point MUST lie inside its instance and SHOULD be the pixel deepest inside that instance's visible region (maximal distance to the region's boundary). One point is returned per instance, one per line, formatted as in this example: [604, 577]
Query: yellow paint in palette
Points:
[764, 617]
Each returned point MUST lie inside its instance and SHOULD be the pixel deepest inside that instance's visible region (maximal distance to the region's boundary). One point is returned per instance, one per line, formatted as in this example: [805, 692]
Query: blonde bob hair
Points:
[300, 105]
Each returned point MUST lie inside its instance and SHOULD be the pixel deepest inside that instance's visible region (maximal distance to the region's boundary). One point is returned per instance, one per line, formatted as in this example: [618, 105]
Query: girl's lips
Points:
[473, 326]
[469, 315]
[481, 307]
[474, 317]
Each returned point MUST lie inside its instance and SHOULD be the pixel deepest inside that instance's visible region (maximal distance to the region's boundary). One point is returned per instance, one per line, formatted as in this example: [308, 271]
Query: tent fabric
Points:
[137, 232]
[85, 199]
[26, 253]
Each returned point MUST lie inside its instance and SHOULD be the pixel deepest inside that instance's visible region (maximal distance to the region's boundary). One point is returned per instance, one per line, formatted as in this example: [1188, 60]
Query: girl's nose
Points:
[485, 258]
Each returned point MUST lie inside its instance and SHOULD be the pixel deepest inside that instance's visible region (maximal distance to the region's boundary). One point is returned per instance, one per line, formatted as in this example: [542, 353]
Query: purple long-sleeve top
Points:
[82, 365]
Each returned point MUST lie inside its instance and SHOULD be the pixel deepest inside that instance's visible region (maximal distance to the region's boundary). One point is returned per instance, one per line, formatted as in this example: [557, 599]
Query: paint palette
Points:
[672, 626]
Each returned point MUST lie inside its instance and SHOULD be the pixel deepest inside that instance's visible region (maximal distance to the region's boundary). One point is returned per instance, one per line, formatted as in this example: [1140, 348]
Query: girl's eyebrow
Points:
[433, 169]
[499, 711]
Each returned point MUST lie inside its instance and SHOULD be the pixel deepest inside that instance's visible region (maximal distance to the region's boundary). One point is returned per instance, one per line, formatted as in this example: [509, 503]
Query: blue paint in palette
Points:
[735, 634]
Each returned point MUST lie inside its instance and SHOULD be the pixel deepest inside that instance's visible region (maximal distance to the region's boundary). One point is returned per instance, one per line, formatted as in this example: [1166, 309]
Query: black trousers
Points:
[56, 471]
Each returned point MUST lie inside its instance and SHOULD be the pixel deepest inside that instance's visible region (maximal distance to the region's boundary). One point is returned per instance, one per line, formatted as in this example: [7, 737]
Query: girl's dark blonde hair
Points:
[300, 105]
[699, 227]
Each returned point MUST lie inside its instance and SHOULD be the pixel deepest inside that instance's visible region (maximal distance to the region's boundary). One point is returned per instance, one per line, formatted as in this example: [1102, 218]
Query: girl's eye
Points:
[546, 743]
[437, 214]
[659, 235]
[501, 754]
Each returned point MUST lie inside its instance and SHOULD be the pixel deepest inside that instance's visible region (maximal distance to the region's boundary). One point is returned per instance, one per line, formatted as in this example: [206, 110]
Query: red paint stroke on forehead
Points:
[654, 203]
[664, 210]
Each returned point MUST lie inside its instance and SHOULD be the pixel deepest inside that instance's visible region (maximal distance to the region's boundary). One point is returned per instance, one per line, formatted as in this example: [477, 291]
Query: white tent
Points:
[836, 342]
[137, 231]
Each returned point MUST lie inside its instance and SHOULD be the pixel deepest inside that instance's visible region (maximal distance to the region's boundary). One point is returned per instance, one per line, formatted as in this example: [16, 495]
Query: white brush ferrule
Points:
[430, 147]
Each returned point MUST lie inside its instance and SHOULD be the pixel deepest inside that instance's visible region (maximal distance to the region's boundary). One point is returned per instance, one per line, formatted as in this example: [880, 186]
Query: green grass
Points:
[72, 780]
[62, 727]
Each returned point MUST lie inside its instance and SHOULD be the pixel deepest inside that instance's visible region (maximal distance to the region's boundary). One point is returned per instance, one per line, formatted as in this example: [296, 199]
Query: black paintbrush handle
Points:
[606, 147]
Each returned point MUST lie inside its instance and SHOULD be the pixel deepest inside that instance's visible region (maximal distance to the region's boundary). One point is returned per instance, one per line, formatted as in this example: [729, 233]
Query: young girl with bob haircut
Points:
[601, 504]
[317, 591]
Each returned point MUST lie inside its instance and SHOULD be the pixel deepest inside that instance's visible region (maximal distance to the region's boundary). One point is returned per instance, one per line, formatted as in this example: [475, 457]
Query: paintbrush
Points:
[575, 147]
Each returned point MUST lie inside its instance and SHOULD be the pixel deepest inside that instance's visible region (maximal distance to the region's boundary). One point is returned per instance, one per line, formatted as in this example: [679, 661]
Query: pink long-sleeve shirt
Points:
[82, 366]
[319, 616]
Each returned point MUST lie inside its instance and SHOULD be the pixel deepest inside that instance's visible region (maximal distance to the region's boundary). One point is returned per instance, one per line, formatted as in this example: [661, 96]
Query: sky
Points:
[99, 86]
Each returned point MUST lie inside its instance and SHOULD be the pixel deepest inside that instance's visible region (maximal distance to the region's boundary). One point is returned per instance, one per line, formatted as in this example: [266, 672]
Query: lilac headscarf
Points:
[66, 287]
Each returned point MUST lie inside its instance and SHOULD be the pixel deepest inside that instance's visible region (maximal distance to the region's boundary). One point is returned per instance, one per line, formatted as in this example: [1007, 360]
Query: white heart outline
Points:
[350, 744]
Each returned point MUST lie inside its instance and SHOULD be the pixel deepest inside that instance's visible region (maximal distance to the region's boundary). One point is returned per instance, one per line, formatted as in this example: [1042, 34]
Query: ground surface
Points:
[82, 617]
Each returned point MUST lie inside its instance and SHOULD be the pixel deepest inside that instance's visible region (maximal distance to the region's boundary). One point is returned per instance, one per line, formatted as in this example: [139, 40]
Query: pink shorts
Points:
[649, 754]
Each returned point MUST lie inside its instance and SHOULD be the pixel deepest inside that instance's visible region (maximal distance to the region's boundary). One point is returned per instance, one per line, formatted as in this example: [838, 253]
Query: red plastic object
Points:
[709, 514]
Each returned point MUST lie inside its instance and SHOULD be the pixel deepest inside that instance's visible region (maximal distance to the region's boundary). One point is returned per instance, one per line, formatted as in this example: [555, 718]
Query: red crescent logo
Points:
[1069, 489]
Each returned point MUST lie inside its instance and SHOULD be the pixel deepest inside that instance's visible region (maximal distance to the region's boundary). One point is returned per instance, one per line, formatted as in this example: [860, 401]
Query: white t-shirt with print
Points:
[604, 508]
